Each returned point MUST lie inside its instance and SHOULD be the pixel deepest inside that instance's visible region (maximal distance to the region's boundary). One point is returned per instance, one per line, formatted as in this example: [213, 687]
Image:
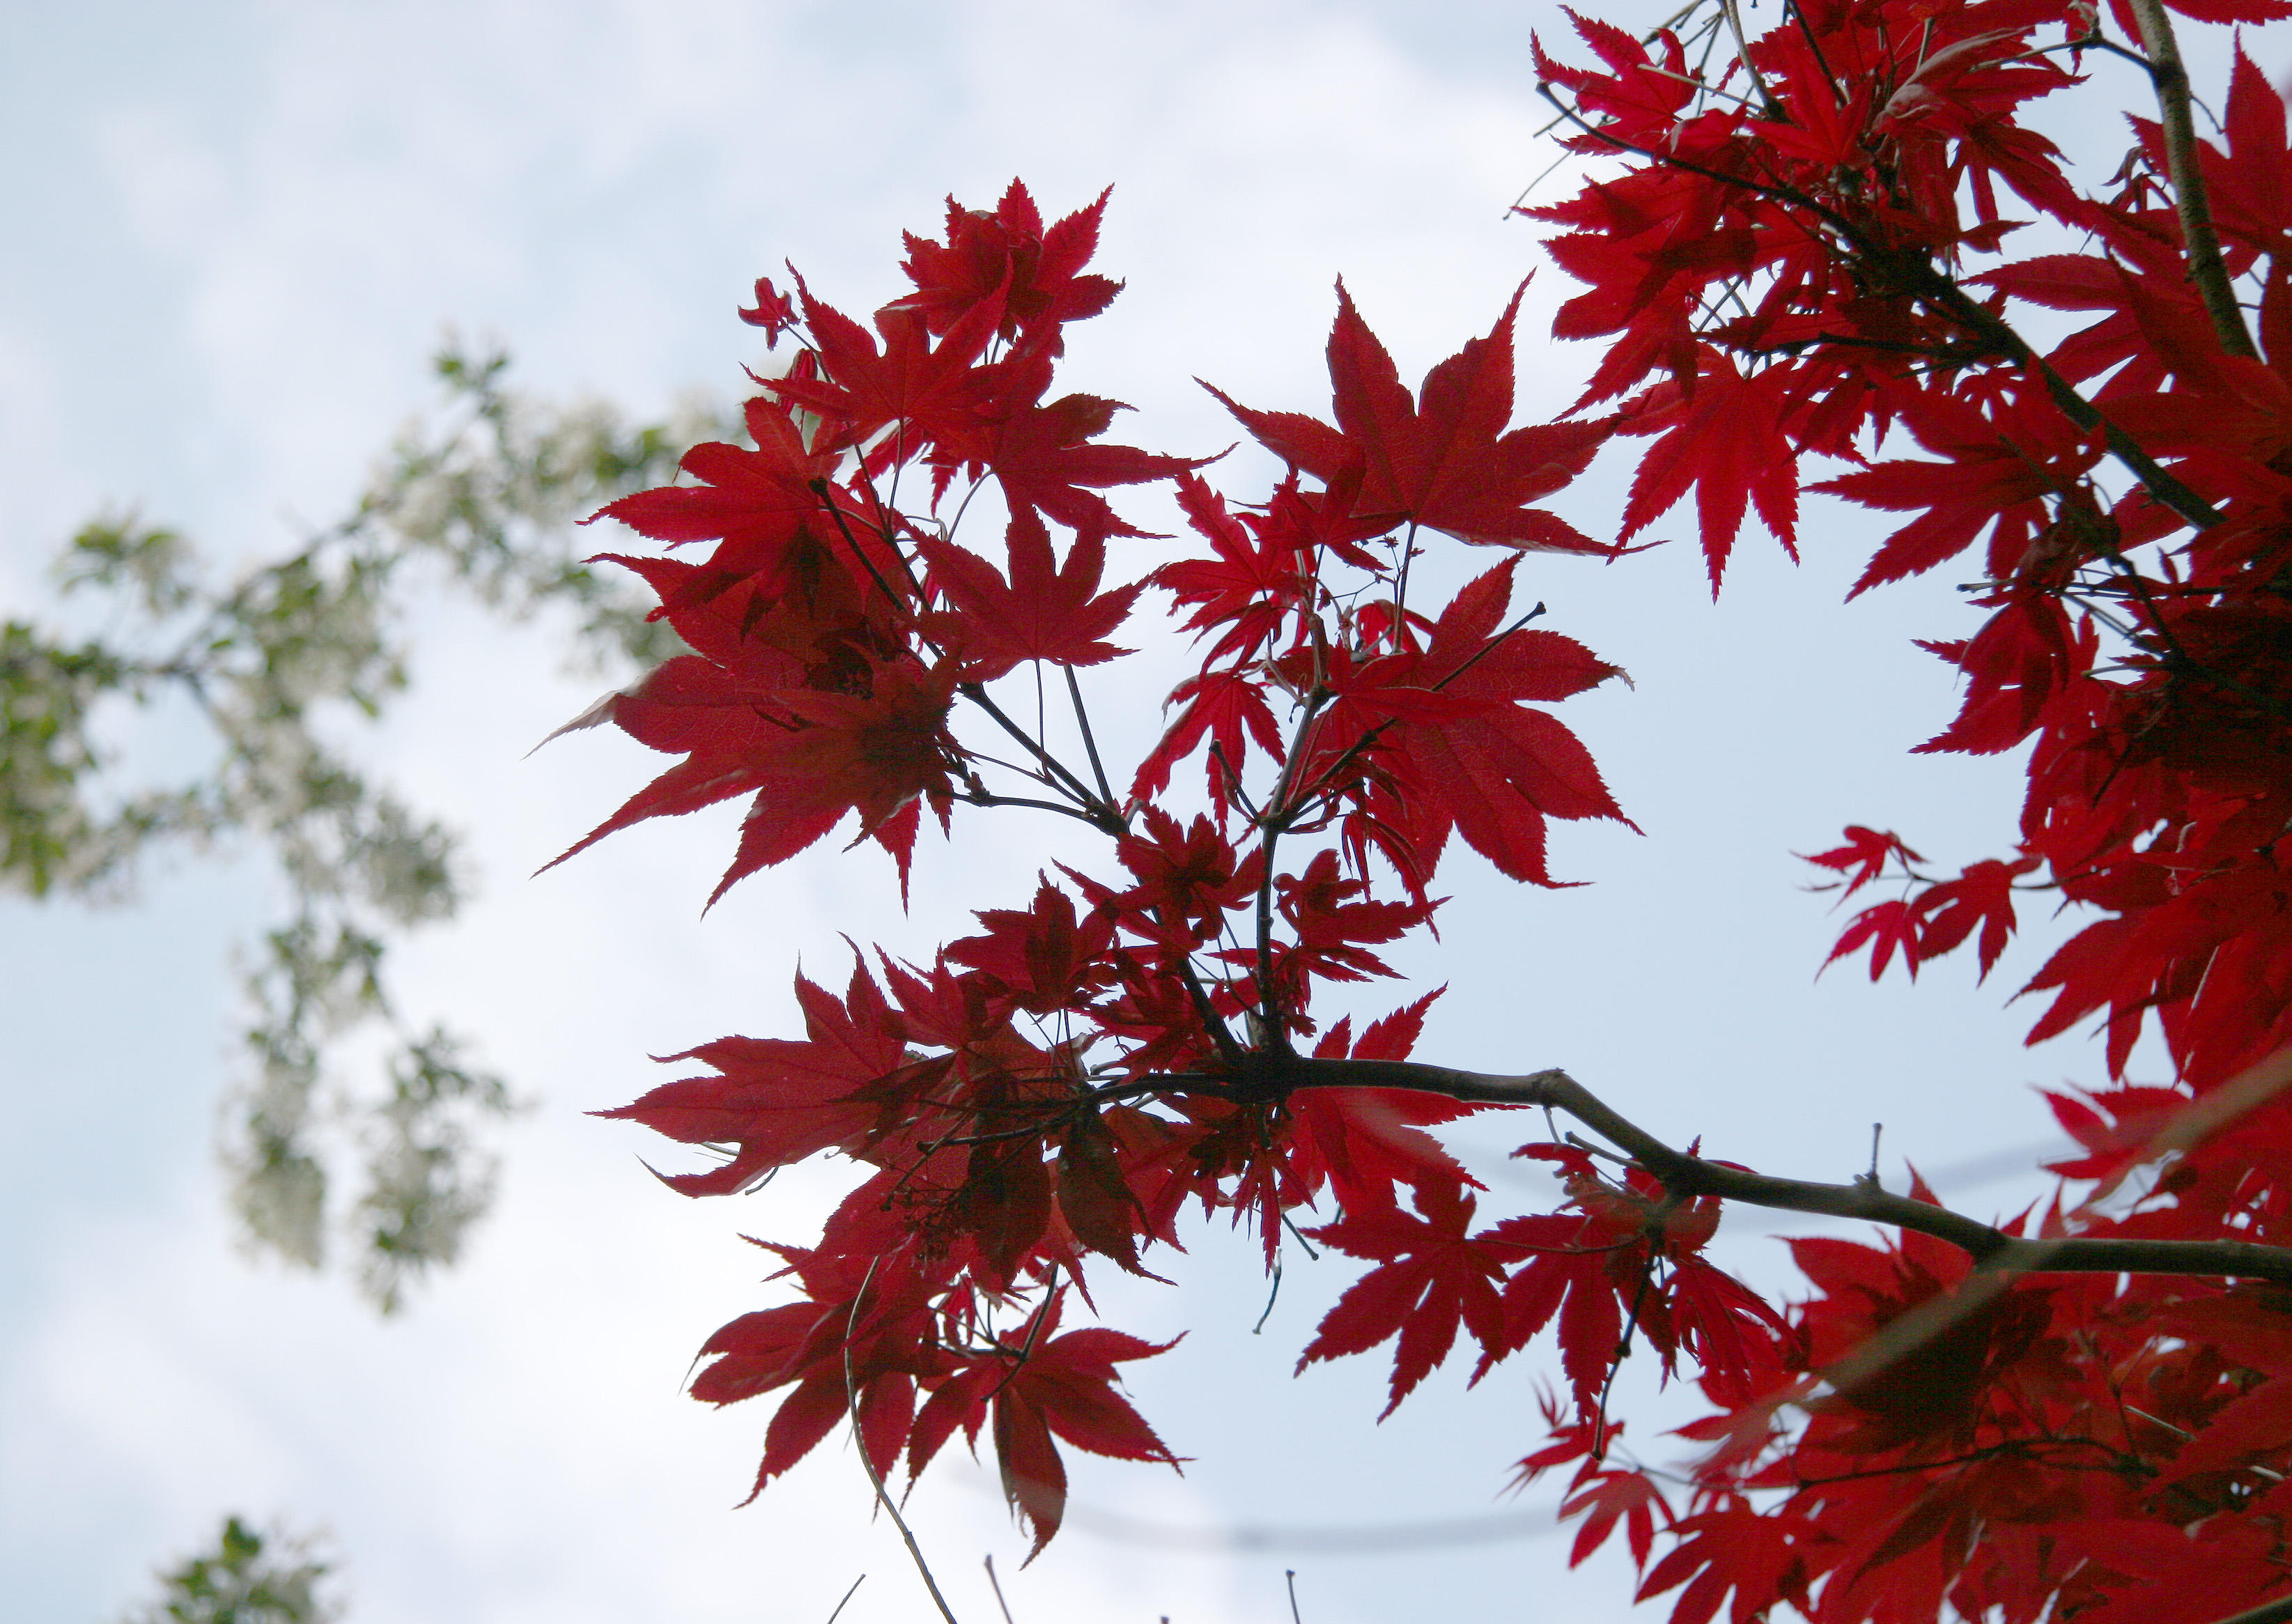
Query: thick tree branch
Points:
[1945, 295]
[1993, 1249]
[2278, 1611]
[2198, 239]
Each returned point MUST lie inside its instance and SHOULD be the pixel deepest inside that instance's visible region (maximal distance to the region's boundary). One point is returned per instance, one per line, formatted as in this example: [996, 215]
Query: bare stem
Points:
[876, 1478]
[997, 1583]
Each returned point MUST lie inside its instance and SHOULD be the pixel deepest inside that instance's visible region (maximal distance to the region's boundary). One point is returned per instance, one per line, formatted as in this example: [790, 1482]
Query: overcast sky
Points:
[242, 228]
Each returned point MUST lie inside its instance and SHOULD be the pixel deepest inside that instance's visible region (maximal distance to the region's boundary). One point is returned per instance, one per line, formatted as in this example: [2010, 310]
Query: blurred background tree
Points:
[250, 677]
[250, 1578]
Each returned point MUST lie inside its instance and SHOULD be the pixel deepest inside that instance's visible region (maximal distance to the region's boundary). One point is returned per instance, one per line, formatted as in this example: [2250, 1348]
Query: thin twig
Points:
[1769, 105]
[997, 1583]
[1279, 810]
[1089, 742]
[1271, 1296]
[848, 1595]
[2012, 1449]
[1026, 1350]
[983, 797]
[976, 694]
[1298, 1235]
[859, 1437]
[1615, 1365]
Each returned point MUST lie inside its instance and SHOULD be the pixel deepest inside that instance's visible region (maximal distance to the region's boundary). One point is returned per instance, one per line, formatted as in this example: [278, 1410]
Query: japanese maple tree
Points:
[1797, 252]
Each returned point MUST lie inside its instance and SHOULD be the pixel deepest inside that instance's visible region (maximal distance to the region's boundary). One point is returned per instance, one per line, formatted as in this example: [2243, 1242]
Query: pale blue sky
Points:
[240, 232]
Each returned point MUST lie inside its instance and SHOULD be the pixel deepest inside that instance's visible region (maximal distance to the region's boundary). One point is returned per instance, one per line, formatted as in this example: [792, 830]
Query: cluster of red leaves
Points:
[1789, 265]
[1778, 269]
[1063, 1082]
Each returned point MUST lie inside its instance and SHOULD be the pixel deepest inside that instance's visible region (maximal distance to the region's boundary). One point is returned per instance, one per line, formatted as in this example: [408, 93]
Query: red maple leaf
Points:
[1738, 1341]
[775, 1099]
[846, 1339]
[2169, 1576]
[1496, 766]
[877, 755]
[1044, 459]
[1866, 854]
[1730, 1547]
[1443, 460]
[1608, 1497]
[1229, 708]
[2113, 1145]
[1183, 874]
[1335, 919]
[1058, 1386]
[754, 503]
[1035, 273]
[1996, 479]
[774, 312]
[1883, 927]
[2250, 185]
[1365, 1142]
[930, 389]
[2023, 656]
[1040, 959]
[1254, 582]
[1430, 1279]
[1455, 746]
[1982, 895]
[808, 756]
[1721, 437]
[1642, 95]
[1044, 611]
[1579, 1265]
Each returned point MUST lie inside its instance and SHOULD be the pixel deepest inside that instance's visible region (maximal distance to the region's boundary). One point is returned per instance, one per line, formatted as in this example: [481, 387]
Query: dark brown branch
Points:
[2199, 241]
[1993, 1249]
[1939, 291]
[2278, 1611]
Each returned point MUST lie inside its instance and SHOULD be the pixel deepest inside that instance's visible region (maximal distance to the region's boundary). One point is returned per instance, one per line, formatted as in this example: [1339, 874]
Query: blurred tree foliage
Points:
[259, 671]
[250, 1578]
